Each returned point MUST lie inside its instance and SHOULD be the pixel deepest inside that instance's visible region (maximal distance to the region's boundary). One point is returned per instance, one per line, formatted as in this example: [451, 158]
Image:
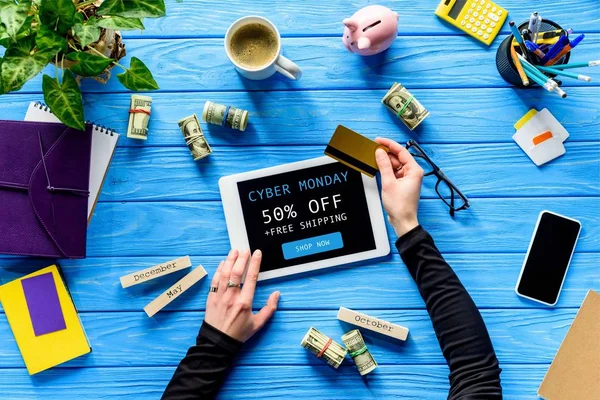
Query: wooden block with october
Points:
[156, 271]
[175, 291]
[373, 324]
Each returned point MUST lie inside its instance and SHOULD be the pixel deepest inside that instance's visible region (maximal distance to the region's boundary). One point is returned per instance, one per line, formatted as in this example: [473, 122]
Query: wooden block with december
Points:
[156, 271]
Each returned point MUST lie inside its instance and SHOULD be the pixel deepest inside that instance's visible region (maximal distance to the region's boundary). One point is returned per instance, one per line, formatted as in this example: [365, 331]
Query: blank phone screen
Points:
[549, 258]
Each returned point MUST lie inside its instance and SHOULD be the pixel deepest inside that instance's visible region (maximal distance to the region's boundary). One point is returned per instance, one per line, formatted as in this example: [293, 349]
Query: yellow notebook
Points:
[48, 350]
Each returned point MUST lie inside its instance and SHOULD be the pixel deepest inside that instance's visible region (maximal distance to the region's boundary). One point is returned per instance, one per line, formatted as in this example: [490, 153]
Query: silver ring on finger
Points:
[213, 289]
[231, 284]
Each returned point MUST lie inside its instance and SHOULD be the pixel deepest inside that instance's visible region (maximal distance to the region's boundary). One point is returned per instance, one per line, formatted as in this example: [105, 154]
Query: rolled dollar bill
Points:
[139, 116]
[324, 347]
[194, 138]
[358, 351]
[402, 103]
[219, 114]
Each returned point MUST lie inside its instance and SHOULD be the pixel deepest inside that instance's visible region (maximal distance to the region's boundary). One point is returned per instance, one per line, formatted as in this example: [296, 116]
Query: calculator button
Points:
[494, 9]
[483, 26]
[469, 26]
[478, 8]
[494, 17]
[475, 14]
[482, 2]
[487, 21]
[481, 17]
[484, 12]
[477, 23]
[487, 5]
[479, 33]
[466, 16]
[489, 30]
[473, 5]
[469, 11]
[474, 30]
[499, 12]
[472, 20]
[462, 23]
[493, 24]
[486, 36]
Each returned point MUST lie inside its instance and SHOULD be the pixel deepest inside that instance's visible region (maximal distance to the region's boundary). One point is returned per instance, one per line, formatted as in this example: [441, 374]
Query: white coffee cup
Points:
[278, 64]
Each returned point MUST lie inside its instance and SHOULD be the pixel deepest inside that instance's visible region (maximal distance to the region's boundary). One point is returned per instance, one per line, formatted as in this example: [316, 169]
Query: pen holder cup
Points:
[504, 61]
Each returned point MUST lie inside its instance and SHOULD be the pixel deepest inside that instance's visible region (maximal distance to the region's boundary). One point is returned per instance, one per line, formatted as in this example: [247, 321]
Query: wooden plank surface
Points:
[191, 18]
[157, 204]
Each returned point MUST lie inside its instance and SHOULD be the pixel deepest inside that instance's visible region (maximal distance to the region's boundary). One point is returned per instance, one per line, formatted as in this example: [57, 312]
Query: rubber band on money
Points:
[358, 352]
[225, 115]
[138, 110]
[325, 348]
[405, 106]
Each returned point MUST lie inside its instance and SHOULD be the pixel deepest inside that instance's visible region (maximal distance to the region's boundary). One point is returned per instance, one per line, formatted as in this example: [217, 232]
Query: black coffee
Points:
[253, 45]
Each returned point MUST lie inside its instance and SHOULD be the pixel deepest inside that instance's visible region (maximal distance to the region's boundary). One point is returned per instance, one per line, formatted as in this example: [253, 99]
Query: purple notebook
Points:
[44, 188]
[43, 304]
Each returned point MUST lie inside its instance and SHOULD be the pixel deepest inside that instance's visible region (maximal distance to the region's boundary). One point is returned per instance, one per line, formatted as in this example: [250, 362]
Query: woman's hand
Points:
[229, 309]
[401, 178]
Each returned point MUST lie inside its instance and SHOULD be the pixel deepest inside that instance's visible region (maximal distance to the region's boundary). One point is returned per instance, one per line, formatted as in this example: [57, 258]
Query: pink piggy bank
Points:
[370, 30]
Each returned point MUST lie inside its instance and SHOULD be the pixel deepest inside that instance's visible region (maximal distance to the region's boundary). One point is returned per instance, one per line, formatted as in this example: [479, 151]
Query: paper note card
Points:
[373, 324]
[175, 291]
[43, 304]
[156, 271]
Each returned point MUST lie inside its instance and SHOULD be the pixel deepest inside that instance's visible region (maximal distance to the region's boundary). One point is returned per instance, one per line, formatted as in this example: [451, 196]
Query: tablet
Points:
[305, 216]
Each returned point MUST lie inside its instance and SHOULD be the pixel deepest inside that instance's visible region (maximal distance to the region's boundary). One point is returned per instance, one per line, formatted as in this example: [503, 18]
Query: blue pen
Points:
[555, 49]
[519, 40]
[534, 48]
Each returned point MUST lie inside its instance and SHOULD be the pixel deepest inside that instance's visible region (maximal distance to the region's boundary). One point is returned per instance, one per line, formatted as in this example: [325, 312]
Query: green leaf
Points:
[133, 8]
[86, 34]
[138, 77]
[58, 14]
[12, 16]
[120, 23]
[47, 39]
[64, 100]
[20, 65]
[88, 64]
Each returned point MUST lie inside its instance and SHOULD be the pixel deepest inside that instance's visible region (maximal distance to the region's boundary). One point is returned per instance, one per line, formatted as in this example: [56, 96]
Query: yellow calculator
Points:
[481, 19]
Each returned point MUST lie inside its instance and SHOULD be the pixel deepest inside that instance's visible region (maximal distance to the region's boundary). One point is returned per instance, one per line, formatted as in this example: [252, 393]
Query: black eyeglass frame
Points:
[441, 177]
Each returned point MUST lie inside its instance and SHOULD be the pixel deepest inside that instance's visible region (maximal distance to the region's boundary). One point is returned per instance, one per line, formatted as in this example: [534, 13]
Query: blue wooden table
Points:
[158, 204]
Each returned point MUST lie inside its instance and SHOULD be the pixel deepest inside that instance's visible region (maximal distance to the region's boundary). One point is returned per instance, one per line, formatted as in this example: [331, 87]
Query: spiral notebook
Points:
[104, 141]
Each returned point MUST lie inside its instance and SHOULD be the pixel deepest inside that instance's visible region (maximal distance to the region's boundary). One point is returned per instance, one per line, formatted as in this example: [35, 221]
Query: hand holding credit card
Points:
[354, 150]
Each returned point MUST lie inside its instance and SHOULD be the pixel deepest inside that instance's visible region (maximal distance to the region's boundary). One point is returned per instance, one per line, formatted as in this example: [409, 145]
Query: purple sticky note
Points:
[43, 304]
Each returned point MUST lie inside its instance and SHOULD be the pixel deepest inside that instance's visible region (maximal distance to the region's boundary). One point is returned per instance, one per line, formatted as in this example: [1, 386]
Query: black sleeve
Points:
[463, 337]
[203, 369]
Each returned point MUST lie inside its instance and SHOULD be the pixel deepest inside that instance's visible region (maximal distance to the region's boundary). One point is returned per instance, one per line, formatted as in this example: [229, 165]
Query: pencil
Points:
[519, 67]
[578, 65]
[564, 73]
[538, 77]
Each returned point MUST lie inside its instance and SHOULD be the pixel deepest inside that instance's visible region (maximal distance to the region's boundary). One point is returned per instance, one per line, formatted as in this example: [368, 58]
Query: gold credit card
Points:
[354, 150]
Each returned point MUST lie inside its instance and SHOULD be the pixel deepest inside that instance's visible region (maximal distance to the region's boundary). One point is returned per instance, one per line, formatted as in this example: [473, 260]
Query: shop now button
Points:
[313, 245]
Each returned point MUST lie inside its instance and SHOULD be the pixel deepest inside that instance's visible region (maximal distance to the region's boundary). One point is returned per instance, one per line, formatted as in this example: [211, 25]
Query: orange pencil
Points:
[519, 67]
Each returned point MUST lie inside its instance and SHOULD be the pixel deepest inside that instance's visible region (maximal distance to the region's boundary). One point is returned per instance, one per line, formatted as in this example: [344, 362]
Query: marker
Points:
[534, 24]
[564, 73]
[578, 65]
[565, 50]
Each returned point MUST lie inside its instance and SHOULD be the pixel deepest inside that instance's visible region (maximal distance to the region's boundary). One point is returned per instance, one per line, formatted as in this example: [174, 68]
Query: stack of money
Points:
[402, 103]
[231, 117]
[324, 347]
[139, 116]
[194, 138]
[358, 351]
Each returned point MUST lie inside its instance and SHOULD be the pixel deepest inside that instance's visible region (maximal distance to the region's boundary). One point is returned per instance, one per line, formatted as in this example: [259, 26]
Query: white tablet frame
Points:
[236, 226]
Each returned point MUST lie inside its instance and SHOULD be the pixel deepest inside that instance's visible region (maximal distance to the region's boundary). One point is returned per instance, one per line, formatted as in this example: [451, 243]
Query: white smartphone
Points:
[548, 258]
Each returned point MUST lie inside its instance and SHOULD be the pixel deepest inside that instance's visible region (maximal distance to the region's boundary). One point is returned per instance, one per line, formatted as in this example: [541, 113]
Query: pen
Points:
[526, 34]
[554, 50]
[564, 73]
[519, 39]
[565, 50]
[534, 24]
[534, 48]
[578, 65]
[519, 66]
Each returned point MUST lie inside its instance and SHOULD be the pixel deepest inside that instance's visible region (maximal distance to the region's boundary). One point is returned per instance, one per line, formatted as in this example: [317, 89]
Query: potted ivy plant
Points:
[81, 37]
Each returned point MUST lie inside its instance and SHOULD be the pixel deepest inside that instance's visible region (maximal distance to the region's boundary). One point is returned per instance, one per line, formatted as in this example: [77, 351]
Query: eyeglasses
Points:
[445, 189]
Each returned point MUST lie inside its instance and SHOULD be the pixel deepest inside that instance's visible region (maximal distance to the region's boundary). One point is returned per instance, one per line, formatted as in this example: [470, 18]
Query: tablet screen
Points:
[306, 215]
